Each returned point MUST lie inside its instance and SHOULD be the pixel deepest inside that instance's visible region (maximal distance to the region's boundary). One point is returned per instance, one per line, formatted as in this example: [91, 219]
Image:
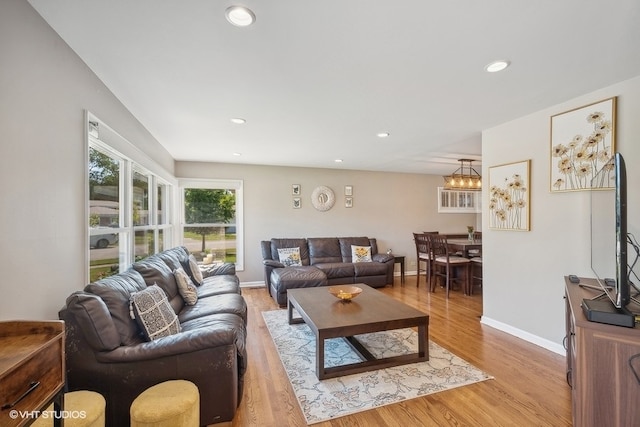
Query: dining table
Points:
[464, 245]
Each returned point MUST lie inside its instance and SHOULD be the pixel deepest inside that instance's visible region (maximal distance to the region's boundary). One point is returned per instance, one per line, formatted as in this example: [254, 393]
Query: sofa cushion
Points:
[153, 313]
[325, 250]
[218, 285]
[290, 243]
[289, 257]
[156, 272]
[363, 269]
[360, 253]
[115, 291]
[174, 257]
[186, 288]
[225, 303]
[346, 243]
[334, 270]
[94, 319]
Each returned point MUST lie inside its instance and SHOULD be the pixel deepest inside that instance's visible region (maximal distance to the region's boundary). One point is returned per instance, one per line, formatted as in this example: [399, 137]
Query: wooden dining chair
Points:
[476, 273]
[448, 266]
[423, 254]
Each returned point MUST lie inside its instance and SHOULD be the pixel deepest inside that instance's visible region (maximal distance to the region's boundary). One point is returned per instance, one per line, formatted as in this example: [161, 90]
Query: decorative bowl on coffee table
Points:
[345, 293]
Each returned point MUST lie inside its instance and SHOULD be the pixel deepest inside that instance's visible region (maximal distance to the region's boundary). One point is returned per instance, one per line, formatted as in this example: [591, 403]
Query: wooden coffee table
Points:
[371, 311]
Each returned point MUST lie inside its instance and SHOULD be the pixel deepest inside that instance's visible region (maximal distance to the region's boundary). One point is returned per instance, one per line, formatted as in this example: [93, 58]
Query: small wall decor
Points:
[348, 202]
[348, 190]
[582, 141]
[323, 198]
[509, 196]
[295, 189]
[297, 204]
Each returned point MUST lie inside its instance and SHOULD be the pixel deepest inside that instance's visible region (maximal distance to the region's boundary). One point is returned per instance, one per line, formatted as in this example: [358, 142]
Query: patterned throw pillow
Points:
[196, 273]
[187, 289]
[154, 314]
[290, 256]
[361, 253]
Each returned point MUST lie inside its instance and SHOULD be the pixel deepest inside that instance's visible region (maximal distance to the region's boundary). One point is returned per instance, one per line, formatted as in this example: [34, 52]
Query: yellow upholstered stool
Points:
[168, 404]
[81, 409]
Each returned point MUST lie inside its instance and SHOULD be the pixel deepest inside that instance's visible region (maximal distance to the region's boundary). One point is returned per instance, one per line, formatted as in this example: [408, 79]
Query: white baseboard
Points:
[258, 284]
[534, 339]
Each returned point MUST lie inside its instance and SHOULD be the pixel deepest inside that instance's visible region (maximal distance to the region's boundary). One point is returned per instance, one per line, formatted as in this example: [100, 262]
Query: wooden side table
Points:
[32, 370]
[399, 259]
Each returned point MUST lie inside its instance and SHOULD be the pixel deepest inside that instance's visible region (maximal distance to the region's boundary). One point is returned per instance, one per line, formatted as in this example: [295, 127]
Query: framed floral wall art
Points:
[509, 196]
[582, 141]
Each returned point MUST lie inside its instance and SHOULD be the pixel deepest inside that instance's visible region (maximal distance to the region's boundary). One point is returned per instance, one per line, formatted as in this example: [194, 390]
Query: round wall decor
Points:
[323, 198]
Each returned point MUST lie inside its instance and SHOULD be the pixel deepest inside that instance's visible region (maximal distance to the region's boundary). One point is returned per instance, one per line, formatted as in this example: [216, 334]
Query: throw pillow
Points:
[187, 289]
[290, 256]
[361, 253]
[196, 273]
[152, 311]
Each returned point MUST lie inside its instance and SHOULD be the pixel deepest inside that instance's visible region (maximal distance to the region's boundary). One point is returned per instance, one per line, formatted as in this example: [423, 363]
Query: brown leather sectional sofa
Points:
[105, 351]
[325, 261]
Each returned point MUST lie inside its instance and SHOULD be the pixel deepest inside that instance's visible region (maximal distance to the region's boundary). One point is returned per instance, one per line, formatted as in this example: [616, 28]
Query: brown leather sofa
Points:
[105, 351]
[325, 261]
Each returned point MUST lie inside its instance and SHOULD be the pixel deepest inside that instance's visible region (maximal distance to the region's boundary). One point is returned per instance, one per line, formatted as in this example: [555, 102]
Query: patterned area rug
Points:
[337, 397]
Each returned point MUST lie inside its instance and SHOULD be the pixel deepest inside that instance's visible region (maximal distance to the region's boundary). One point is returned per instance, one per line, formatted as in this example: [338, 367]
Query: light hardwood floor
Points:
[529, 388]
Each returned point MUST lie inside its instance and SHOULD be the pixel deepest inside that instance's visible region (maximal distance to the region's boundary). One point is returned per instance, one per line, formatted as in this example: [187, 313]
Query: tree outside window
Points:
[210, 222]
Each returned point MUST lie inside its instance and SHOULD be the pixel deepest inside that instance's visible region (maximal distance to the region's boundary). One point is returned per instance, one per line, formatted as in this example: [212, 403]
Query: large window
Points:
[212, 220]
[129, 208]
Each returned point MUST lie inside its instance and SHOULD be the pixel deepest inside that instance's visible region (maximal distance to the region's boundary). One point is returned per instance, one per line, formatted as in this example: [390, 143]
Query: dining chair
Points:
[448, 266]
[423, 254]
[476, 273]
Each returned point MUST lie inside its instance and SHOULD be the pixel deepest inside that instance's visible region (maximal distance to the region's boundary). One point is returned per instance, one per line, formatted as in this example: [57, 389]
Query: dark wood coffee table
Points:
[371, 311]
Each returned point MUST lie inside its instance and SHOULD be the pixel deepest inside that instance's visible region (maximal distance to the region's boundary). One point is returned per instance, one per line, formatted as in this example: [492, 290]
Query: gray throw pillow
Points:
[187, 289]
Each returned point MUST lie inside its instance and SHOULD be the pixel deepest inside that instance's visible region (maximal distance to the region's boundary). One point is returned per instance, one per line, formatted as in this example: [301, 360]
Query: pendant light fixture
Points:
[463, 178]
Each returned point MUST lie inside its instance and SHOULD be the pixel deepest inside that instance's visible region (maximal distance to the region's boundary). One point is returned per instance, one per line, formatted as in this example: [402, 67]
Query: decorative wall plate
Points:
[323, 198]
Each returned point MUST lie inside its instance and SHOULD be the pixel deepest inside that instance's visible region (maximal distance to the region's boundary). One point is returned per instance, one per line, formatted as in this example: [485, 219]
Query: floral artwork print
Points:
[509, 196]
[582, 143]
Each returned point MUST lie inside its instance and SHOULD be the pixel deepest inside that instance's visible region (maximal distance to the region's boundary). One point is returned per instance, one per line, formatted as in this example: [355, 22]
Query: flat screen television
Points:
[609, 230]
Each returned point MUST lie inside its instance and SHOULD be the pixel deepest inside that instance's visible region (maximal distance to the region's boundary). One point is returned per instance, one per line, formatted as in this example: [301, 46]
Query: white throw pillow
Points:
[196, 273]
[361, 253]
[290, 257]
[187, 289]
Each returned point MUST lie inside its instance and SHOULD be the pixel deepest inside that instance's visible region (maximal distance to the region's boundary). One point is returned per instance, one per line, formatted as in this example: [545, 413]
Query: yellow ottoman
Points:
[81, 409]
[168, 404]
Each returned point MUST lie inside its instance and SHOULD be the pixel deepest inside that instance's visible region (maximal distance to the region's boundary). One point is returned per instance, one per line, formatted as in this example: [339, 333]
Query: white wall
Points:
[387, 206]
[44, 92]
[523, 271]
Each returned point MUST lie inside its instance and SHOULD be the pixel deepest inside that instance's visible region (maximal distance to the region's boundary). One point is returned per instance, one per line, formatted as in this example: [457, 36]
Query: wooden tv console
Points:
[600, 369]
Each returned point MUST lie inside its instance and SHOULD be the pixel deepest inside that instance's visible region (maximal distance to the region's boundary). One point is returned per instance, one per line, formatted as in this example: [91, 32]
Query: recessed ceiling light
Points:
[238, 120]
[383, 134]
[237, 154]
[338, 160]
[496, 66]
[240, 16]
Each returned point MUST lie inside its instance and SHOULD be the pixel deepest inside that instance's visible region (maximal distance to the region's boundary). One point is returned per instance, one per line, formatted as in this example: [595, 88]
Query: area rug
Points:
[337, 397]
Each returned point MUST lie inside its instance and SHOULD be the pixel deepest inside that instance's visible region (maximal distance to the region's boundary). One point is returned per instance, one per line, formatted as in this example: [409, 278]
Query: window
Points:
[129, 206]
[212, 220]
[458, 201]
[105, 220]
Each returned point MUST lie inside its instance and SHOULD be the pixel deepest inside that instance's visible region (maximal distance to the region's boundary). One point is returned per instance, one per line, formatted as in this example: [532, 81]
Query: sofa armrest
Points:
[183, 342]
[228, 268]
[382, 258]
[272, 263]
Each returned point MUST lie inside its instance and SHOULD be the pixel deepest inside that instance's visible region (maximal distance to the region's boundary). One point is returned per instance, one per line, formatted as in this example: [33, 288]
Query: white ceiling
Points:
[316, 80]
